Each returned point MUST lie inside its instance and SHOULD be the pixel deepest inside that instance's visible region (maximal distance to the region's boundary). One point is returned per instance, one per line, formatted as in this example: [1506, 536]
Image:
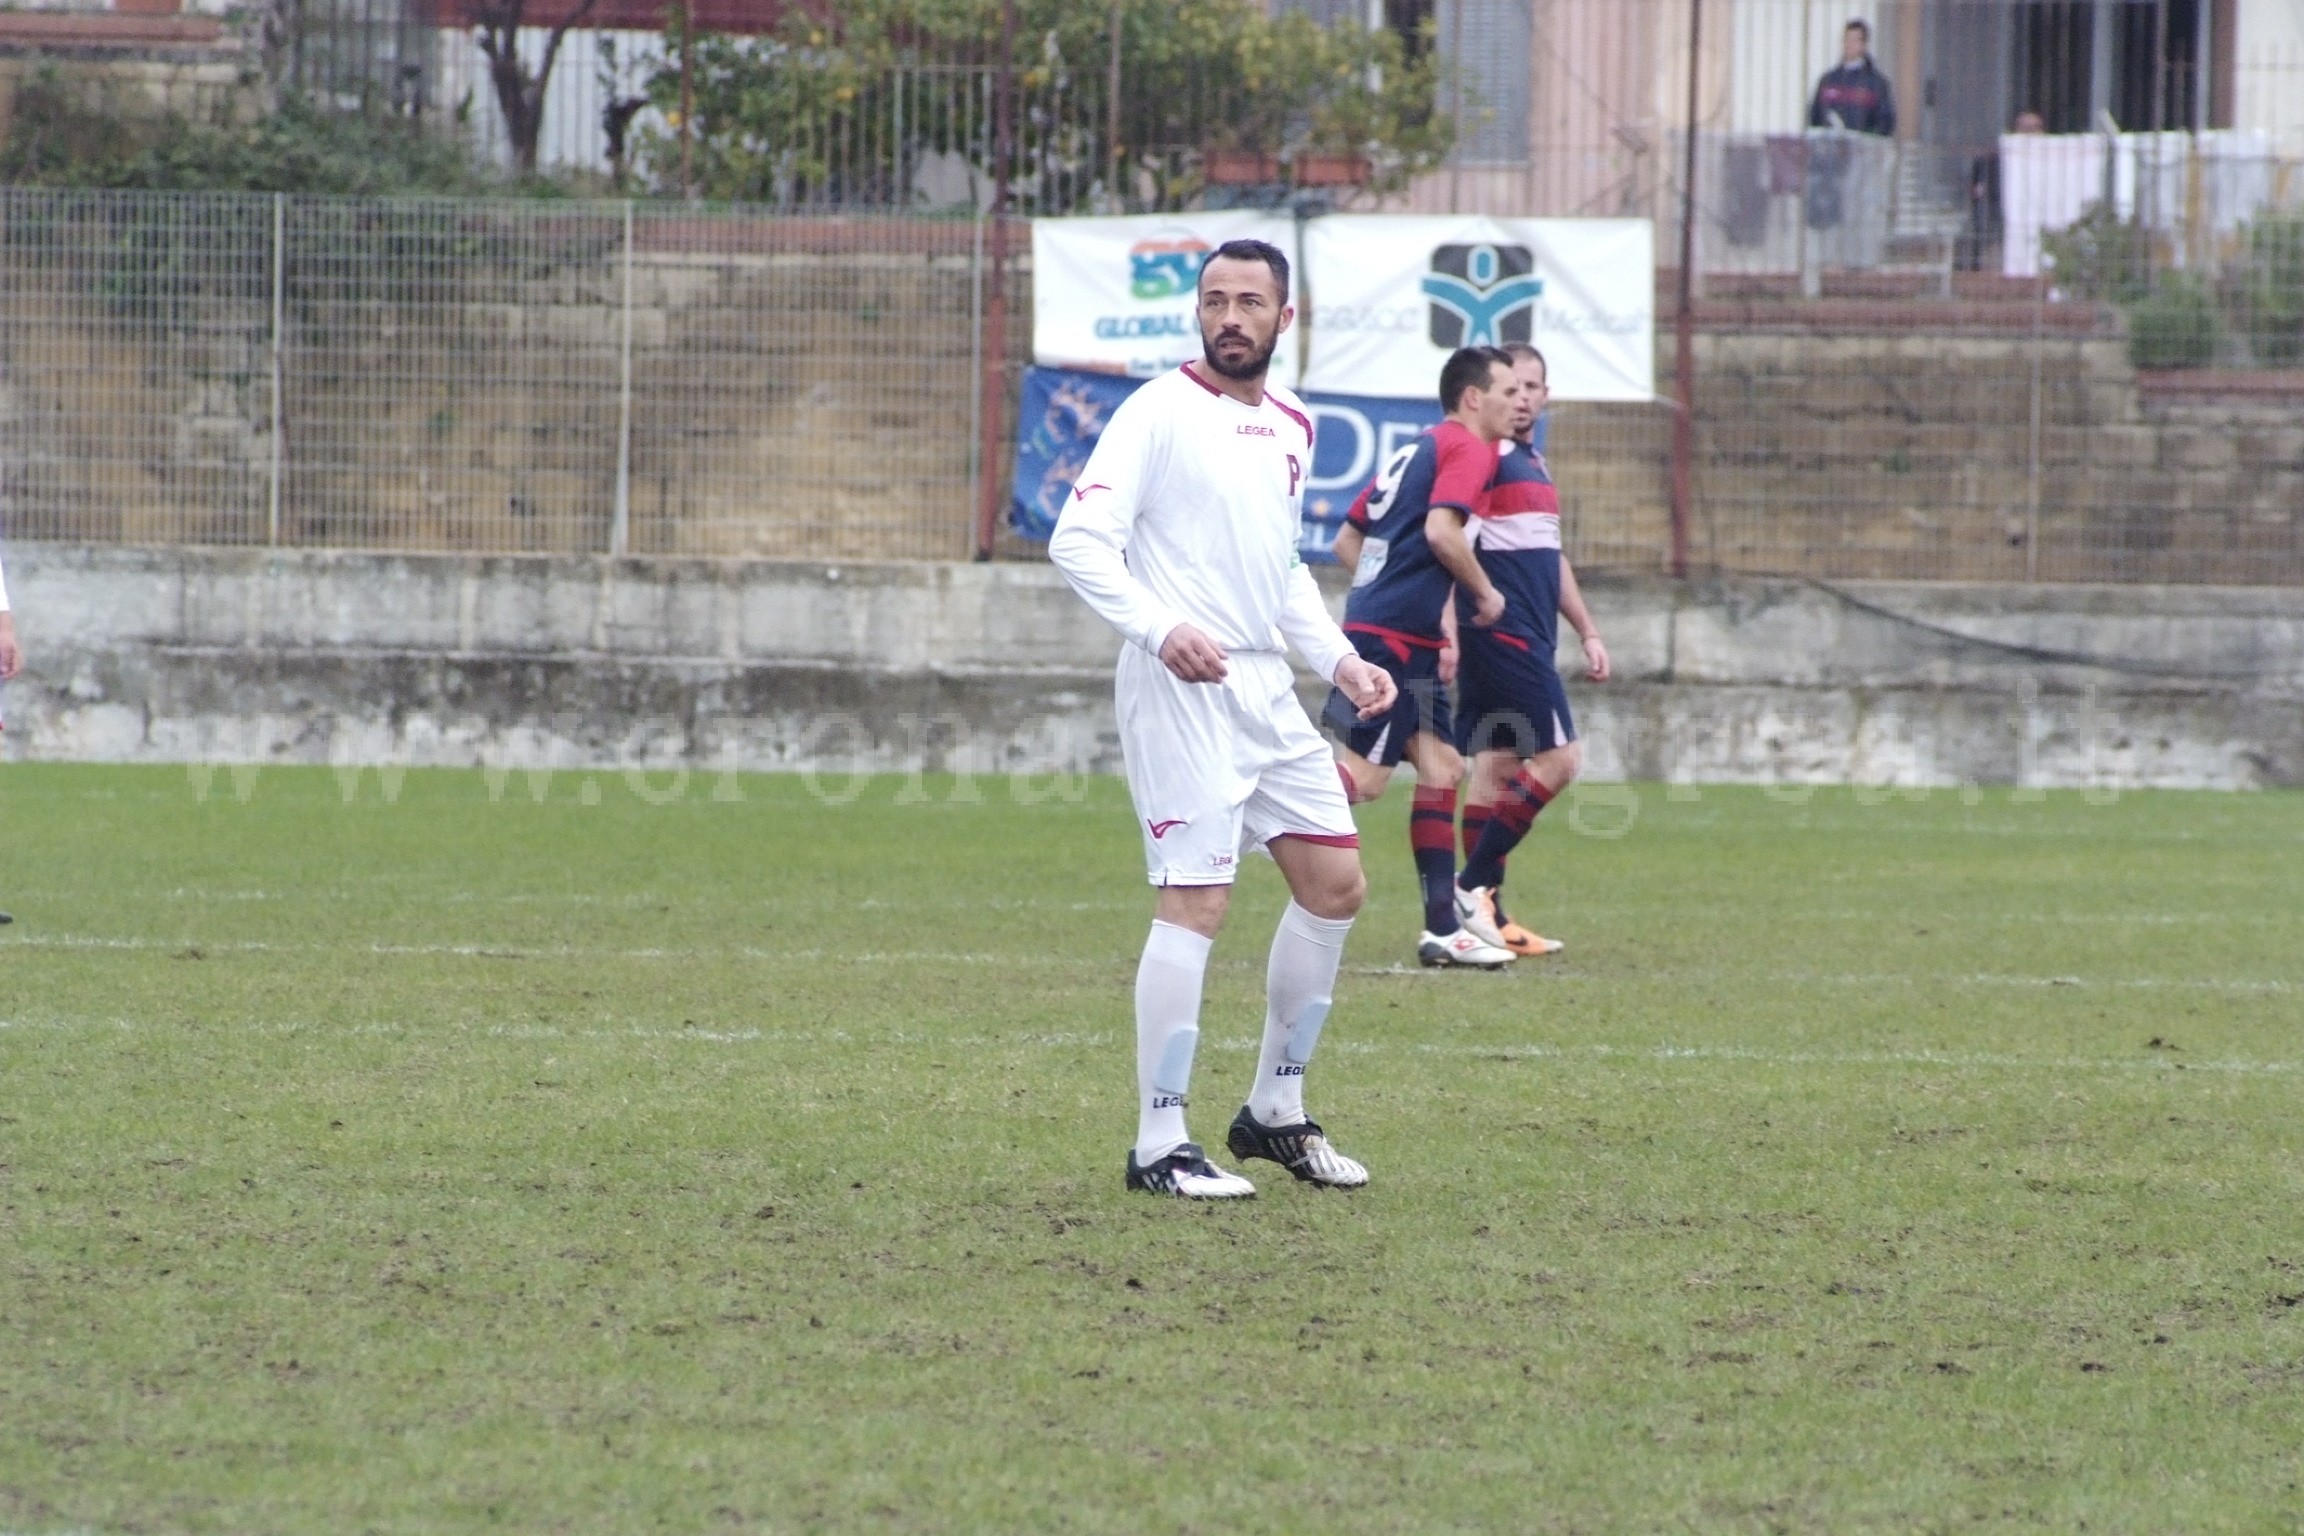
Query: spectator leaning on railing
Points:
[1854, 94]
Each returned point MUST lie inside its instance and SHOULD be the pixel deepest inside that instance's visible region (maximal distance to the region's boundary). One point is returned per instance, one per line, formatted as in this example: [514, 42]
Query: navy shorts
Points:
[1422, 705]
[1509, 698]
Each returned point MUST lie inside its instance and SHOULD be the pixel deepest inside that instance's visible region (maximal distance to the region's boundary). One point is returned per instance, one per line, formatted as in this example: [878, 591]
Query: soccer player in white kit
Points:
[1182, 532]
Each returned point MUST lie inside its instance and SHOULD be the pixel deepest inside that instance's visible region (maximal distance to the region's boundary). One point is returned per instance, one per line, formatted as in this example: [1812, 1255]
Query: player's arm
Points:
[1090, 546]
[1451, 651]
[1353, 536]
[1459, 488]
[1579, 619]
[1313, 635]
[1445, 531]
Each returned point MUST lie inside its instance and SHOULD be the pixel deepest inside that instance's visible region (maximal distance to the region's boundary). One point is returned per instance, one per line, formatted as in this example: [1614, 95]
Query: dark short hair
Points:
[1859, 24]
[1254, 250]
[1521, 351]
[1468, 368]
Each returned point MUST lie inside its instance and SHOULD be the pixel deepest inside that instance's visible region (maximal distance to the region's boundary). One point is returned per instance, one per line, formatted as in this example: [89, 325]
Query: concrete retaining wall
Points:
[206, 655]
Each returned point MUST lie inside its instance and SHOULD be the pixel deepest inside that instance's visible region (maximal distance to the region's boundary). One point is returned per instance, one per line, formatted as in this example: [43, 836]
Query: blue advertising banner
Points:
[1064, 411]
[1061, 415]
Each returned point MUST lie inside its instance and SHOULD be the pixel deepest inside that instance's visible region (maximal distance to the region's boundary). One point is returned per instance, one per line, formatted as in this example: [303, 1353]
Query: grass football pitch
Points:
[584, 1154]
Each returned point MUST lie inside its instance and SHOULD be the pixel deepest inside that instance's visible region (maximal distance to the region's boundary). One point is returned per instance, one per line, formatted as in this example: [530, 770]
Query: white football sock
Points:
[1299, 984]
[1167, 1033]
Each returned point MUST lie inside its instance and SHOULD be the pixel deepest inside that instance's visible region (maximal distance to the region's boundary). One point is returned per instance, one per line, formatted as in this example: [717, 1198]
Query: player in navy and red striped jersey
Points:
[1513, 710]
[1405, 543]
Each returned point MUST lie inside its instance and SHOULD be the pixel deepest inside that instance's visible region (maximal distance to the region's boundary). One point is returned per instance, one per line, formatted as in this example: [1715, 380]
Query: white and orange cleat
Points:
[1526, 941]
[1476, 910]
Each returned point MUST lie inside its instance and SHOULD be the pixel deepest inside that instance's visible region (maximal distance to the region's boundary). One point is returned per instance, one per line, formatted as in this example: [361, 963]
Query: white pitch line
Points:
[1567, 1055]
[1958, 1060]
[813, 954]
[1551, 972]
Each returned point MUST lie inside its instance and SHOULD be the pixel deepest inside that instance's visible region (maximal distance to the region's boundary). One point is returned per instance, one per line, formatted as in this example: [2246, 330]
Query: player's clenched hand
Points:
[1370, 688]
[1192, 656]
[1487, 607]
[1449, 656]
[1596, 659]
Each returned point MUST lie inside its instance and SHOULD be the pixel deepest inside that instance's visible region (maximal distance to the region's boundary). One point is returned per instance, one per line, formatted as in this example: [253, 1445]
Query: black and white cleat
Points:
[1186, 1172]
[1302, 1149]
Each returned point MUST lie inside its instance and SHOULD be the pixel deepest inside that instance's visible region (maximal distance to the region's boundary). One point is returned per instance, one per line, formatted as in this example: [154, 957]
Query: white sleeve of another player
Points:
[1090, 544]
[1306, 626]
[3, 589]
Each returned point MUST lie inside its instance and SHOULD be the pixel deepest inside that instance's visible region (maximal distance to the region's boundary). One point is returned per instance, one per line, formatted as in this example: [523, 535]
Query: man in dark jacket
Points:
[1854, 94]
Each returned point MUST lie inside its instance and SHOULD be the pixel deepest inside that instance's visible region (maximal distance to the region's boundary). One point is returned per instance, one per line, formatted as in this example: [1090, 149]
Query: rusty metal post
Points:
[687, 103]
[992, 384]
[1684, 324]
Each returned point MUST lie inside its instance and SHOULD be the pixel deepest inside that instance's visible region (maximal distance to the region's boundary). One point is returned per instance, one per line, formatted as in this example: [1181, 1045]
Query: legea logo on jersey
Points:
[1482, 295]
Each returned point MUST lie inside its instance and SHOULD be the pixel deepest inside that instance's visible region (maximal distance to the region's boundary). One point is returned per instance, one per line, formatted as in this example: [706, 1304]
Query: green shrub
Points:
[300, 148]
[65, 132]
[2174, 326]
[2272, 291]
[2099, 257]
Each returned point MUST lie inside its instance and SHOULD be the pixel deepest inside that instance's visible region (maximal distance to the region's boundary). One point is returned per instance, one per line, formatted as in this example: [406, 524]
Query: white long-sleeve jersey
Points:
[1190, 510]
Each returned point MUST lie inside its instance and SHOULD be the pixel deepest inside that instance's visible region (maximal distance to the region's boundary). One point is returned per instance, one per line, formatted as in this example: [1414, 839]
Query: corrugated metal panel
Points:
[1488, 44]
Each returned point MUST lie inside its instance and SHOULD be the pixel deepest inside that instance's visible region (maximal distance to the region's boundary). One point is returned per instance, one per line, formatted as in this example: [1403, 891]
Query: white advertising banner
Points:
[1117, 295]
[1392, 296]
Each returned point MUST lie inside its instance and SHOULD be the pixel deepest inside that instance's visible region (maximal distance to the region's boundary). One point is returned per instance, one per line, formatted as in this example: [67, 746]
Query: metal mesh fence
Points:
[666, 379]
[511, 376]
[1984, 455]
[136, 404]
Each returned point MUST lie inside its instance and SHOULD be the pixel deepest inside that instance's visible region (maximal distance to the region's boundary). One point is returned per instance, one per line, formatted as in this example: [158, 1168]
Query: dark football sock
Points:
[1432, 834]
[1475, 822]
[1513, 815]
[1476, 819]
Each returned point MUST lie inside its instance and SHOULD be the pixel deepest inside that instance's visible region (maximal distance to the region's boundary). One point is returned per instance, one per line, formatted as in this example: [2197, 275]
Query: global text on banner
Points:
[1064, 410]
[1117, 295]
[1392, 296]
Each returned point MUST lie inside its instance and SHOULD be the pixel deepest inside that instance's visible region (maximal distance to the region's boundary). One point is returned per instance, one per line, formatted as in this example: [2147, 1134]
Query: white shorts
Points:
[1218, 768]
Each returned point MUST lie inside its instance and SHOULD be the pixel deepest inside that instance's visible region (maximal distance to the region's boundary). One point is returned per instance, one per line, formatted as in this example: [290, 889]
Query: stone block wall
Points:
[253, 656]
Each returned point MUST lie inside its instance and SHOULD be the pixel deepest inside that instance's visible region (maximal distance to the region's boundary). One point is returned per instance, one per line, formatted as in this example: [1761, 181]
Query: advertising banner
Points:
[1064, 411]
[1116, 295]
[1391, 296]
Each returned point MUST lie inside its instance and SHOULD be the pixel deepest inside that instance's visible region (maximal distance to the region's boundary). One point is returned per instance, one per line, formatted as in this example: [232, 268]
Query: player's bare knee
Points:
[1558, 768]
[1364, 781]
[1342, 895]
[1200, 908]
